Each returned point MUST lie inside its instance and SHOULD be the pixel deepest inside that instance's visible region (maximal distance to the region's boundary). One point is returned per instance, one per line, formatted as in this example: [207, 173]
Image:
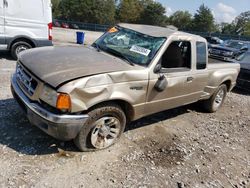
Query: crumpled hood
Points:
[56, 65]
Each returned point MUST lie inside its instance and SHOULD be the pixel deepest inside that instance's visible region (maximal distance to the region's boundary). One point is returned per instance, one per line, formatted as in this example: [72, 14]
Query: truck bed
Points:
[216, 63]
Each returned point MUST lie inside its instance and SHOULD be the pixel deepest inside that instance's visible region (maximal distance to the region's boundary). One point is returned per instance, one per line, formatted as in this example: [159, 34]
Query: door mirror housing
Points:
[161, 84]
[157, 68]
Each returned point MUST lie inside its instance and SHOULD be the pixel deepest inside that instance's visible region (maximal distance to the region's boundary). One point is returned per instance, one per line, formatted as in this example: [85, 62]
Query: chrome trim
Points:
[54, 118]
[25, 79]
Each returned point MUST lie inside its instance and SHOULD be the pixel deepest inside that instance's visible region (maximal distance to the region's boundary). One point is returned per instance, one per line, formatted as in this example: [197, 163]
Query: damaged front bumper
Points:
[62, 127]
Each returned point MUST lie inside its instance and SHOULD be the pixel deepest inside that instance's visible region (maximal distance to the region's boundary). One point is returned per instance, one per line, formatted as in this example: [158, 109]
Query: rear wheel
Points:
[216, 100]
[18, 47]
[102, 129]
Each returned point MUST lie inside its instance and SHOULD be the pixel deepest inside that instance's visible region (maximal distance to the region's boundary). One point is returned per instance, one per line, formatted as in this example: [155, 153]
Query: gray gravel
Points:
[183, 147]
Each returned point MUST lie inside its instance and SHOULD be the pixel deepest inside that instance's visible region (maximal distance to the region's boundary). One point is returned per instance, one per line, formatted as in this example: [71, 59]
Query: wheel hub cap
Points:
[219, 98]
[105, 132]
[20, 49]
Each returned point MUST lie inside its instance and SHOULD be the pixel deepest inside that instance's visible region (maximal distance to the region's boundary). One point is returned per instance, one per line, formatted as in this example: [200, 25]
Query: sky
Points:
[223, 10]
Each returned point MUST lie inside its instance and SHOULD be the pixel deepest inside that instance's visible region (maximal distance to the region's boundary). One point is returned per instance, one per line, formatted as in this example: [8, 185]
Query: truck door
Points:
[2, 36]
[183, 84]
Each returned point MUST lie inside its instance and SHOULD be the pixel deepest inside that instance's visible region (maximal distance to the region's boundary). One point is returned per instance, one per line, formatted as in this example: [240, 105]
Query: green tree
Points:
[247, 29]
[90, 11]
[241, 22]
[154, 14]
[181, 19]
[55, 8]
[204, 20]
[102, 12]
[129, 11]
[227, 28]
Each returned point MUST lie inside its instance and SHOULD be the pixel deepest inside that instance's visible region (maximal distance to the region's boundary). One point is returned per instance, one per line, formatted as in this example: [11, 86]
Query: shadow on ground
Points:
[5, 55]
[241, 91]
[18, 134]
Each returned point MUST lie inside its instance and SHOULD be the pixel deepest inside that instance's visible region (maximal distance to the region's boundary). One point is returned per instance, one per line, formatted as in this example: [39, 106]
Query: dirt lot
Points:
[183, 147]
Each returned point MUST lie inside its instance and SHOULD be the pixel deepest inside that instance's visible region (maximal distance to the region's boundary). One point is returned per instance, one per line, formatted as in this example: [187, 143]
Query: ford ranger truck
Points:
[89, 94]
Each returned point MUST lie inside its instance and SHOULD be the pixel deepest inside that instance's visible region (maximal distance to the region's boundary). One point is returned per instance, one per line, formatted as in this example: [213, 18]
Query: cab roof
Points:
[157, 31]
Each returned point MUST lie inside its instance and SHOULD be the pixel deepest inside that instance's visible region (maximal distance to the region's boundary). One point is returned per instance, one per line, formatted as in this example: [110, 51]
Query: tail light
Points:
[50, 26]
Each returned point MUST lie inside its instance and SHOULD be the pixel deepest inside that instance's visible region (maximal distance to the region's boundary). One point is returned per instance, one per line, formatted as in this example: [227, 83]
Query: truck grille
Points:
[217, 52]
[25, 80]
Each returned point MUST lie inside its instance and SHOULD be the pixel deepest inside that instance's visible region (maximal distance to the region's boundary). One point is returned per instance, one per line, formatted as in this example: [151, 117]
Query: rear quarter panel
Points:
[220, 73]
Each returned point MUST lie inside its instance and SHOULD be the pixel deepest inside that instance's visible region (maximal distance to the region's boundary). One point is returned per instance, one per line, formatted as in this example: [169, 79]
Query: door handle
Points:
[190, 79]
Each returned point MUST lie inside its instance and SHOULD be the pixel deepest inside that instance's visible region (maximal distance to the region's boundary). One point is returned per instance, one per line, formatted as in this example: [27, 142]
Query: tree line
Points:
[146, 12]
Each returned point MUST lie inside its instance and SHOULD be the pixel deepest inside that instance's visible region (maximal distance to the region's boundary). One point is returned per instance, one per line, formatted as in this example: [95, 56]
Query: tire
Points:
[18, 47]
[216, 100]
[102, 129]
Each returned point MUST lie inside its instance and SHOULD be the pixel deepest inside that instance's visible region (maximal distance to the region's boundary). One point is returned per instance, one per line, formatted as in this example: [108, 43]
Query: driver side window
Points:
[177, 57]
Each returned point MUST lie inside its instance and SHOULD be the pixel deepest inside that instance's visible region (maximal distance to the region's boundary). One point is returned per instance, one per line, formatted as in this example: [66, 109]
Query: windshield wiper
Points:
[118, 54]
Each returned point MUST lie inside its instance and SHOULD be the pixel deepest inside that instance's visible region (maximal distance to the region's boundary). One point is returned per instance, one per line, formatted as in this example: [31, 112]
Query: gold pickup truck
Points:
[91, 93]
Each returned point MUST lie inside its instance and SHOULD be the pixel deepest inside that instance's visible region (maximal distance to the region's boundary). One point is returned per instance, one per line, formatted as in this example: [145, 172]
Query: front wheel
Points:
[102, 129]
[18, 47]
[216, 100]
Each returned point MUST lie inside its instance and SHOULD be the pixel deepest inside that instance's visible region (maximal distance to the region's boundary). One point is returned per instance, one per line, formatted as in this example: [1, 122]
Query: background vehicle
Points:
[243, 80]
[25, 24]
[74, 26]
[56, 24]
[229, 50]
[214, 40]
[65, 25]
[130, 72]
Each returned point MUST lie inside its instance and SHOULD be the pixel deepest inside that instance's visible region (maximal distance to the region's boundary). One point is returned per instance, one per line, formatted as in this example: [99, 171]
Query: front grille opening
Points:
[25, 80]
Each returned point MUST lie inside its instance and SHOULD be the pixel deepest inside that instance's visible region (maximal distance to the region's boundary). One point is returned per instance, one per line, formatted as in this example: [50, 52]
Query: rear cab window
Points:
[201, 55]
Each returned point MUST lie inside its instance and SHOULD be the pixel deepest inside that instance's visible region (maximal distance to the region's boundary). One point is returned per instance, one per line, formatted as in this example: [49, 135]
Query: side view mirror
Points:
[157, 68]
[161, 84]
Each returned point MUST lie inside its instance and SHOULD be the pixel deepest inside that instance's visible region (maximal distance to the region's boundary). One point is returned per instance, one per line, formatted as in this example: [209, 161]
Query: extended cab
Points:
[89, 94]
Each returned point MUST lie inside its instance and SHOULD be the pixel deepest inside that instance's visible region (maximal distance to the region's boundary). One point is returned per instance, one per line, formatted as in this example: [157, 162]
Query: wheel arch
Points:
[19, 39]
[228, 83]
[124, 105]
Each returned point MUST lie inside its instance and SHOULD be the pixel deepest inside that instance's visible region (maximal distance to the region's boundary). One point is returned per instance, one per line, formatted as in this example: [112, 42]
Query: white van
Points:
[25, 24]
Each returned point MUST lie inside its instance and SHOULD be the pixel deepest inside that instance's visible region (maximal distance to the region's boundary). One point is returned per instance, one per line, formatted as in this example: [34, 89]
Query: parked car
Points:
[229, 50]
[130, 72]
[56, 24]
[214, 40]
[243, 80]
[65, 25]
[25, 24]
[74, 26]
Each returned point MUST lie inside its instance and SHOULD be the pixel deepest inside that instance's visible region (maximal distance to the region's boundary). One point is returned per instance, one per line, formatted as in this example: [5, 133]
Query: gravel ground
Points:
[183, 147]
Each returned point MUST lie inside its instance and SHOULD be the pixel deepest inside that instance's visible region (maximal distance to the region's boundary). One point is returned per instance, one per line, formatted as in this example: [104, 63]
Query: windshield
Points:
[132, 46]
[234, 44]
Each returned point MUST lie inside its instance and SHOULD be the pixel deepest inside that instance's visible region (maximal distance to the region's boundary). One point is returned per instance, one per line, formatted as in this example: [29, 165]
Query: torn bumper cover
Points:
[62, 127]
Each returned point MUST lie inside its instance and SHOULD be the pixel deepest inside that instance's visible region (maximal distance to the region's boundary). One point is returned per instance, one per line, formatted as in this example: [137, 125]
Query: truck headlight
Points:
[61, 101]
[49, 95]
